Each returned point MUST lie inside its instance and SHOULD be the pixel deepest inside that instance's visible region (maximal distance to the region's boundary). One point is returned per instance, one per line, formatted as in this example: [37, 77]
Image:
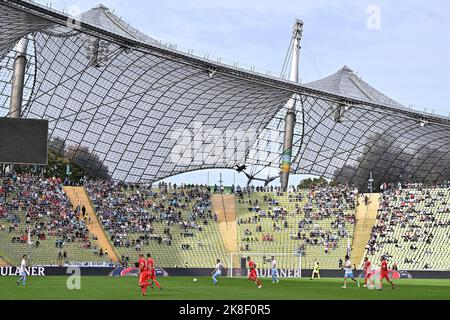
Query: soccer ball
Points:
[370, 284]
[195, 279]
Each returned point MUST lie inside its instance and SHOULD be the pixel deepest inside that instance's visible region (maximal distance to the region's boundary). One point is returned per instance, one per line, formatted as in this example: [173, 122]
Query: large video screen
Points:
[23, 141]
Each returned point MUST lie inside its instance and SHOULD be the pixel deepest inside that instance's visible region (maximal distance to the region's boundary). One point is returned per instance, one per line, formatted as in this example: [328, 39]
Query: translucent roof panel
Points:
[393, 146]
[142, 111]
[128, 109]
[102, 17]
[346, 83]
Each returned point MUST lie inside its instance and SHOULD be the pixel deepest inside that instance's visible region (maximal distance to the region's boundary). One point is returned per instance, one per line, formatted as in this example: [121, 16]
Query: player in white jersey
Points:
[274, 271]
[22, 270]
[217, 271]
[348, 272]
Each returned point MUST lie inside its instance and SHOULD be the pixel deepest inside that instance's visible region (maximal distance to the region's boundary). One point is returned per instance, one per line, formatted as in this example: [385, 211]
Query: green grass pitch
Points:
[183, 288]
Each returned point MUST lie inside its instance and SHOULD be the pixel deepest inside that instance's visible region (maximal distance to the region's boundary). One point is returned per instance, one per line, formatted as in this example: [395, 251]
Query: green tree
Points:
[88, 161]
[82, 162]
[316, 182]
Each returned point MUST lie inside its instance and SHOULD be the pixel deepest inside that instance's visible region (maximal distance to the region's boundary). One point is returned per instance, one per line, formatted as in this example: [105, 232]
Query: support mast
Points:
[290, 118]
[18, 79]
[17, 83]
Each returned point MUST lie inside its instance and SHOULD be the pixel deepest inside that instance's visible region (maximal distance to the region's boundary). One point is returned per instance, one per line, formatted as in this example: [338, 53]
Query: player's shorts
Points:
[152, 275]
[23, 274]
[384, 276]
[348, 274]
[252, 275]
[367, 275]
[274, 272]
[143, 276]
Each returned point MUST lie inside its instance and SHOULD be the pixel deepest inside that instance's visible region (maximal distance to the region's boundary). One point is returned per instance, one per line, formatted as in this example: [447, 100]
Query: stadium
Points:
[96, 115]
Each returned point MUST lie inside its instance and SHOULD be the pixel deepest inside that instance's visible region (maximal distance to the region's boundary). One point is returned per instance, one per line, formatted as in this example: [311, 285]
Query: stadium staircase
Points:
[224, 205]
[366, 216]
[78, 195]
[3, 262]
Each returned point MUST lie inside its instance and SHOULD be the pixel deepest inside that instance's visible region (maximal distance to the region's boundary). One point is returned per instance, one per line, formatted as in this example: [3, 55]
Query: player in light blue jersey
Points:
[22, 271]
[348, 272]
[217, 271]
[274, 271]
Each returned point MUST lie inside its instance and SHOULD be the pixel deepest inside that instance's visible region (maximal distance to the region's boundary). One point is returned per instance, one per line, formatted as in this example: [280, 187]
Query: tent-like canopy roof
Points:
[103, 18]
[140, 111]
[346, 83]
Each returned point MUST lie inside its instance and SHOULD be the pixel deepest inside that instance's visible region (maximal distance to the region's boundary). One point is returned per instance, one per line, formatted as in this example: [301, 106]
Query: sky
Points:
[401, 48]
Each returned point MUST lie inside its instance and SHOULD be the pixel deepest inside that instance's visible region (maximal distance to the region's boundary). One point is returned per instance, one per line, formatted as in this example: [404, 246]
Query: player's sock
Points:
[143, 290]
[157, 284]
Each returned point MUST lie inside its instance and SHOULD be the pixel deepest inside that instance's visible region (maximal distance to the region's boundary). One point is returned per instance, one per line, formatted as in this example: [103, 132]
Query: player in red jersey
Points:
[143, 274]
[367, 270]
[252, 276]
[152, 273]
[384, 273]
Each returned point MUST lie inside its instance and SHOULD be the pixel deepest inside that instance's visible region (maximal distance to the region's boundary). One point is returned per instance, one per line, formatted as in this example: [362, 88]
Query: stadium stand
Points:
[37, 219]
[413, 227]
[314, 223]
[175, 224]
[188, 226]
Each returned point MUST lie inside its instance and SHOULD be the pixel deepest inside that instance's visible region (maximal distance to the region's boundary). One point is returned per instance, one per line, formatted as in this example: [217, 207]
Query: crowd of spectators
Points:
[335, 204]
[408, 218]
[34, 210]
[130, 212]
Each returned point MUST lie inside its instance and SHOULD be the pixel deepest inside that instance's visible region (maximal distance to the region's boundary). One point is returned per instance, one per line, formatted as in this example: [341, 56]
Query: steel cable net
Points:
[6, 74]
[348, 142]
[142, 115]
[394, 147]
[145, 117]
